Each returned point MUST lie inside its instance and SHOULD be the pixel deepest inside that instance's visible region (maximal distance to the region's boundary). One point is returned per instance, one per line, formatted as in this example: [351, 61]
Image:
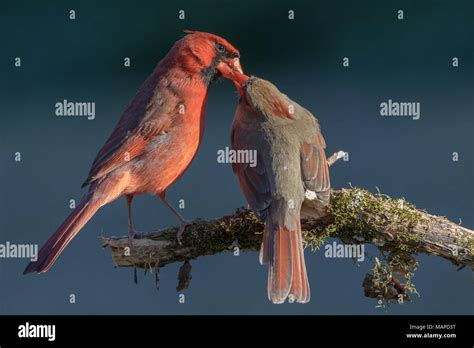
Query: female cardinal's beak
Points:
[232, 70]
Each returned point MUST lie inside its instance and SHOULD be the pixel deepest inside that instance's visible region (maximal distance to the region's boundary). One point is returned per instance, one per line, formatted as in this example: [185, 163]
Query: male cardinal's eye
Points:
[220, 48]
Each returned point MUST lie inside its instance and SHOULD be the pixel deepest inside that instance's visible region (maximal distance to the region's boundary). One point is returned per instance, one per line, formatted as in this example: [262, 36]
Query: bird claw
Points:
[132, 234]
[182, 227]
[180, 234]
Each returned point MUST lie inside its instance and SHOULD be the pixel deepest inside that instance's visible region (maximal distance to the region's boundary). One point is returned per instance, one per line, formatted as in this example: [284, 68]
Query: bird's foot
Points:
[182, 227]
[132, 234]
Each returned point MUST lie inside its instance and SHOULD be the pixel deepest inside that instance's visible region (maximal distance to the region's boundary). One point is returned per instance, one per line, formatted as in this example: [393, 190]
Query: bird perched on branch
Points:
[291, 163]
[156, 138]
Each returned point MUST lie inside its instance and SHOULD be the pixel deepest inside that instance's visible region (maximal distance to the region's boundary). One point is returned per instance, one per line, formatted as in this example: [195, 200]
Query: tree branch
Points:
[354, 216]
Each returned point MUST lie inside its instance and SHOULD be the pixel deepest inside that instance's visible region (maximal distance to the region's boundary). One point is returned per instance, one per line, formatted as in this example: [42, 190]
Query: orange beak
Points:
[229, 67]
[232, 70]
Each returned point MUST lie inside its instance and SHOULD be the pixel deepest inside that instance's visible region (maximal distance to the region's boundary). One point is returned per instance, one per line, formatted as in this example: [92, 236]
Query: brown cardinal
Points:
[291, 163]
[156, 138]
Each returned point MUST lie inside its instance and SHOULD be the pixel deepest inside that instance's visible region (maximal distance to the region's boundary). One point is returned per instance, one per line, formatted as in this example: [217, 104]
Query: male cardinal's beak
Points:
[232, 70]
[228, 67]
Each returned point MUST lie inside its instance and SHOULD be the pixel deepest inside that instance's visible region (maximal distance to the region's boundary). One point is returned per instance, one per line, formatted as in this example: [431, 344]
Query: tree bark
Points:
[354, 216]
[380, 223]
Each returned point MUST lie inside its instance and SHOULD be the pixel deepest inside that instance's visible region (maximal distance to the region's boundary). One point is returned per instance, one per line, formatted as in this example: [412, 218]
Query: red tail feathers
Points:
[300, 284]
[61, 238]
[283, 250]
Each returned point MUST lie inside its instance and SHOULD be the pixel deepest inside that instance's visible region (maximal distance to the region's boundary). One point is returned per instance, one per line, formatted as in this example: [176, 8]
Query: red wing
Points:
[314, 166]
[124, 146]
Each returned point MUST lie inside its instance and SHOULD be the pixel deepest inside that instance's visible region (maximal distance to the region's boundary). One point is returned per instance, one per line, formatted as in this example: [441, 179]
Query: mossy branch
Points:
[355, 216]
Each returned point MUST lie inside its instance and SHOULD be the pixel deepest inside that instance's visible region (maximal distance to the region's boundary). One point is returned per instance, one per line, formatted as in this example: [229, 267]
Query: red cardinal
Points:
[291, 161]
[156, 138]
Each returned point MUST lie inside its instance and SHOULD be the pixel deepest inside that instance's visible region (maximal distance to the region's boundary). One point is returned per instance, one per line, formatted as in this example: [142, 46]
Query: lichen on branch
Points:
[354, 216]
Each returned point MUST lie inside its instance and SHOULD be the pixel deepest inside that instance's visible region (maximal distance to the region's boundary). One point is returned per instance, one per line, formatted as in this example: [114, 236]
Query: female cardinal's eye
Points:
[220, 48]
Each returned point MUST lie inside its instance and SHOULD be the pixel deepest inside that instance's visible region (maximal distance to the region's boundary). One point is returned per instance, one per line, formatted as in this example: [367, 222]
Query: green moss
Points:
[213, 238]
[358, 213]
[383, 280]
[382, 277]
[360, 216]
[315, 238]
[357, 216]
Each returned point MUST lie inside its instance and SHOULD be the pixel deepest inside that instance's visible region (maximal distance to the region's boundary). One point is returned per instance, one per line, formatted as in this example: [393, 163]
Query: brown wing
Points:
[314, 166]
[254, 181]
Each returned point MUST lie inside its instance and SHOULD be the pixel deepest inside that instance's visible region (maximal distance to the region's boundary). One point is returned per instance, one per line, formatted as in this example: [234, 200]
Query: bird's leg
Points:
[131, 232]
[182, 221]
